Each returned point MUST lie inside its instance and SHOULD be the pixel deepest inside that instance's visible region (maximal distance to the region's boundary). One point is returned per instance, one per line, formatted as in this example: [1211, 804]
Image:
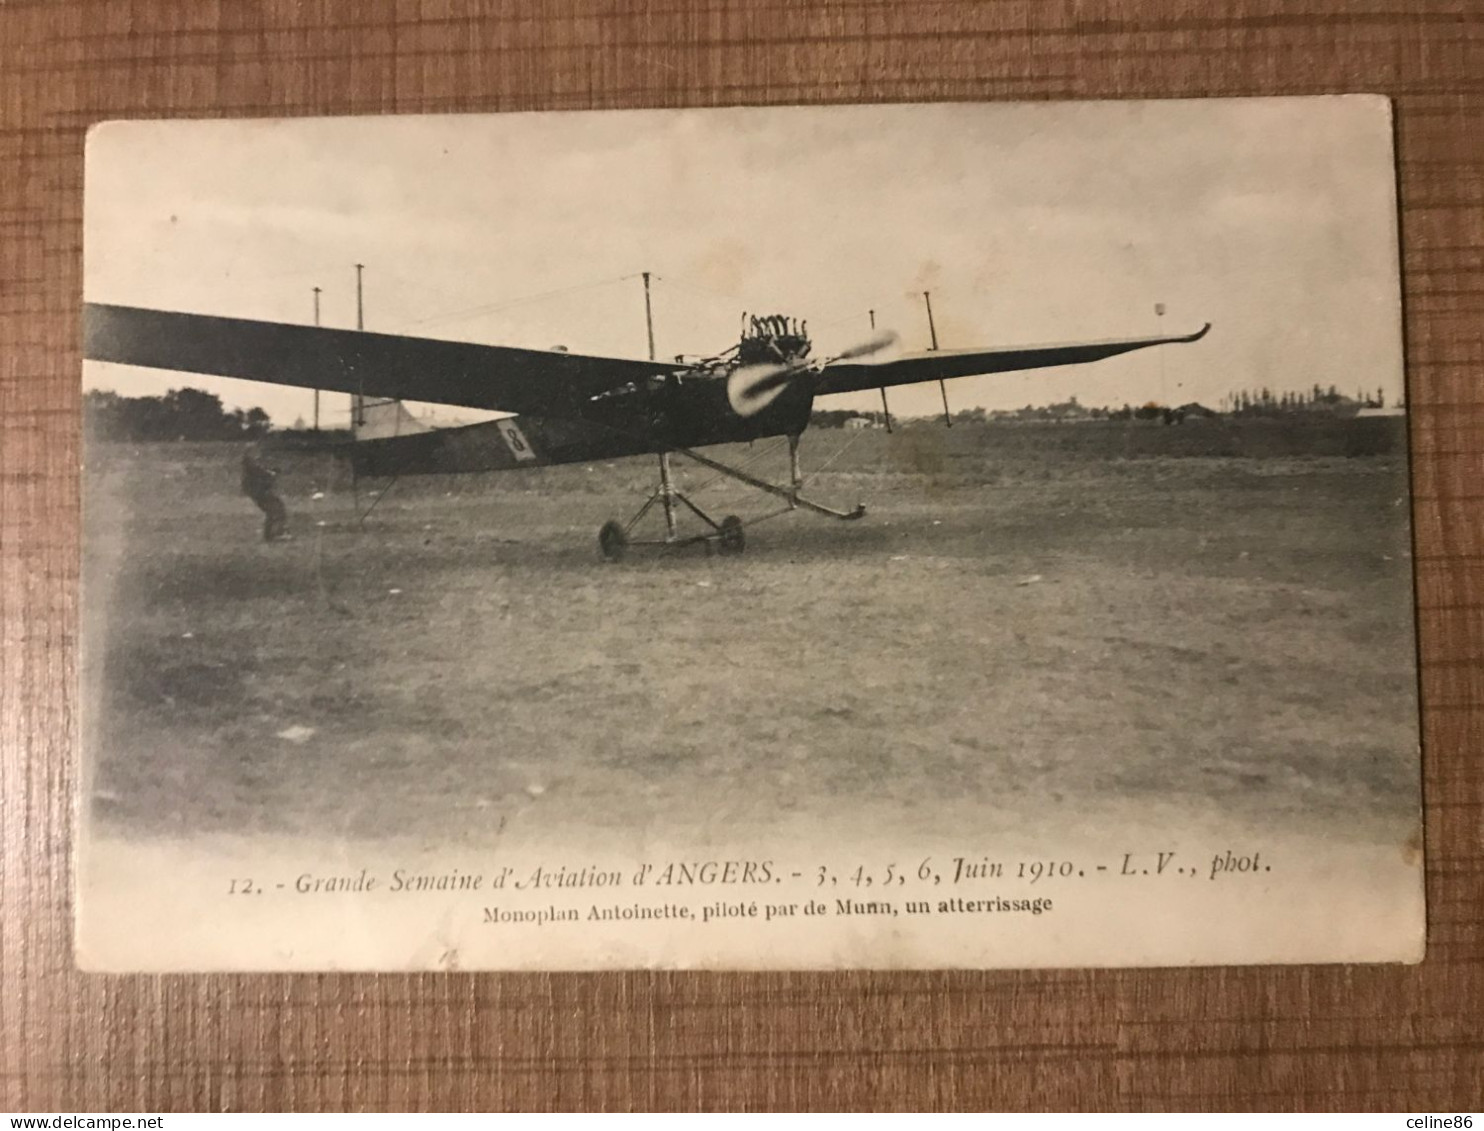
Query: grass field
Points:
[1028, 621]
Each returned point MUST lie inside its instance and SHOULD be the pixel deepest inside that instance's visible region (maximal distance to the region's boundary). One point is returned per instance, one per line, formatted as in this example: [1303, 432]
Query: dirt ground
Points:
[1029, 621]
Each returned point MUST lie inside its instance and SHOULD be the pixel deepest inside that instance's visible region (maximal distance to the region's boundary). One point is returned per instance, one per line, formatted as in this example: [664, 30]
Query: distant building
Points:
[1068, 410]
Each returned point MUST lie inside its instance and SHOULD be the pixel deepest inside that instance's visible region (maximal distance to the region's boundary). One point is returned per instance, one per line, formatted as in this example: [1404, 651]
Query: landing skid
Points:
[728, 535]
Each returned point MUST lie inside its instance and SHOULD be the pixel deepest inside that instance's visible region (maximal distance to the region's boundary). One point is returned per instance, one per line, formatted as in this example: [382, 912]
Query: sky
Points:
[1273, 219]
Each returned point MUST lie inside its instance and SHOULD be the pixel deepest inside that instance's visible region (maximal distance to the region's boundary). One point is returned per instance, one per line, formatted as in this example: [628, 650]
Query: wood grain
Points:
[1397, 1038]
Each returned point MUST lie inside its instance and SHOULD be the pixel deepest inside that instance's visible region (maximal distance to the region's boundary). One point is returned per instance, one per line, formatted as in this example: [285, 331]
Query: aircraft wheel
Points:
[613, 540]
[732, 540]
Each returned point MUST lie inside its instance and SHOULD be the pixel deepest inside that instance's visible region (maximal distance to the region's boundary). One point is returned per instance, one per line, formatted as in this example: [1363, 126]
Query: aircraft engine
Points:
[752, 388]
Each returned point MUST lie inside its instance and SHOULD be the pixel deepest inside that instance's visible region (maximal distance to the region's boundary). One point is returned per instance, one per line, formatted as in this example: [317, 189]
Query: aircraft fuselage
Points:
[688, 408]
[681, 411]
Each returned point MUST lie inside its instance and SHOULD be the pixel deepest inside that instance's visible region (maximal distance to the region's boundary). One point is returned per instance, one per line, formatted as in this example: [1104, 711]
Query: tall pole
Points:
[885, 411]
[667, 483]
[316, 392]
[358, 401]
[1164, 395]
[927, 297]
[648, 316]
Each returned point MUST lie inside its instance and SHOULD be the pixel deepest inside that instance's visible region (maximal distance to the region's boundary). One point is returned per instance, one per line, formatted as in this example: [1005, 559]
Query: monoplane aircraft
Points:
[567, 407]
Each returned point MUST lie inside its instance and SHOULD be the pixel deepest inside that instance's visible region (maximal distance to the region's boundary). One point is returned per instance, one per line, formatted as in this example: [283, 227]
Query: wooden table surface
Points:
[1406, 1039]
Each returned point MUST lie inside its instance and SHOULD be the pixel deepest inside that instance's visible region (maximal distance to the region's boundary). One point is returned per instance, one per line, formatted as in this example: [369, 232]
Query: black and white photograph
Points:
[883, 536]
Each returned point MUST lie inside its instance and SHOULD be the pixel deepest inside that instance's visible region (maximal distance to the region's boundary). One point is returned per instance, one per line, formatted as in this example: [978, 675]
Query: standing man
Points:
[258, 485]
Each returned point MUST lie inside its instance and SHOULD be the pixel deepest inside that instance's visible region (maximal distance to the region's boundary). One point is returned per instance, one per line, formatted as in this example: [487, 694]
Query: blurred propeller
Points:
[752, 388]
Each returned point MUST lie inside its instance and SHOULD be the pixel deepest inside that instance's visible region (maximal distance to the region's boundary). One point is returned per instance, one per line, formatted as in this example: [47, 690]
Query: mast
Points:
[1164, 392]
[927, 297]
[358, 400]
[667, 492]
[648, 316]
[316, 392]
[885, 411]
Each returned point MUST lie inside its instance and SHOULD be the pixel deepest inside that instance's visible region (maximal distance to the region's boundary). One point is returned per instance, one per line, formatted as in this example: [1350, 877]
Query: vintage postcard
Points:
[878, 536]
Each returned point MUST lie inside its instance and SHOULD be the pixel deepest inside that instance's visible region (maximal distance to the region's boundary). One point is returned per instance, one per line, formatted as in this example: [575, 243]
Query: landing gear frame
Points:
[615, 538]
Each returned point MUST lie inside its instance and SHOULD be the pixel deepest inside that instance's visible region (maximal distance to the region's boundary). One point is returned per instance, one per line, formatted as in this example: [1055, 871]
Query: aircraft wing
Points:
[937, 365]
[502, 378]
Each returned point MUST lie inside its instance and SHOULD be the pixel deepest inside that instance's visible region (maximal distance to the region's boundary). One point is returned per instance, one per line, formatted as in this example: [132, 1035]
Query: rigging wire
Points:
[495, 307]
[699, 289]
[845, 447]
[327, 269]
[744, 465]
[853, 316]
[702, 290]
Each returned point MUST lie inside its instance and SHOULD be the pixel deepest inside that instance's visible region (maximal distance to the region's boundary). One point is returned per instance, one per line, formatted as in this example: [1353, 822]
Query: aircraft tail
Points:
[378, 418]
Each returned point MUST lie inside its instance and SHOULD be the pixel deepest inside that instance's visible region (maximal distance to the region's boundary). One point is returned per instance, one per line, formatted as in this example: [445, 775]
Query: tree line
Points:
[1264, 402]
[181, 414]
